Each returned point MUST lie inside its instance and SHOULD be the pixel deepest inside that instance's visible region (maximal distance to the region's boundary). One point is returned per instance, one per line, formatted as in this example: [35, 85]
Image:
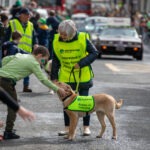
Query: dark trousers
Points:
[50, 43]
[86, 119]
[0, 55]
[26, 81]
[9, 86]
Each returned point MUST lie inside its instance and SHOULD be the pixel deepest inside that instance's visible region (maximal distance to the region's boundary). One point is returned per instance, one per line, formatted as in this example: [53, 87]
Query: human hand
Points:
[61, 92]
[55, 81]
[35, 46]
[26, 114]
[76, 66]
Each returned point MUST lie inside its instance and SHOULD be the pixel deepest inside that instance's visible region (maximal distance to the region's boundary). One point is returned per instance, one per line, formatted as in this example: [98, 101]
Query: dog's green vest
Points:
[82, 103]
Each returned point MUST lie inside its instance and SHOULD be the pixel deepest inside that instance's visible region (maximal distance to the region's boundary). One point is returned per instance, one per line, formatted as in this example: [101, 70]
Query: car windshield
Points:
[100, 28]
[121, 32]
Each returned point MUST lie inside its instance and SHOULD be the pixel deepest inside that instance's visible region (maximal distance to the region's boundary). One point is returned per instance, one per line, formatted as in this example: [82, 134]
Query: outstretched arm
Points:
[10, 102]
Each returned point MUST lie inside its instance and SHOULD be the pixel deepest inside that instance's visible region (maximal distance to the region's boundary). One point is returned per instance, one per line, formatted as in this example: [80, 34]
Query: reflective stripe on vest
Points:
[26, 40]
[82, 103]
[69, 54]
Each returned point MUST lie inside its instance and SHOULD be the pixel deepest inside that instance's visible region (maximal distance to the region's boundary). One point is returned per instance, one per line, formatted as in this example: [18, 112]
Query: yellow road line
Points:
[112, 67]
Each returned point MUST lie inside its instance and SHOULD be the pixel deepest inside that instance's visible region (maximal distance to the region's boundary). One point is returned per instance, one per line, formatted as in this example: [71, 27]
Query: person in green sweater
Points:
[15, 68]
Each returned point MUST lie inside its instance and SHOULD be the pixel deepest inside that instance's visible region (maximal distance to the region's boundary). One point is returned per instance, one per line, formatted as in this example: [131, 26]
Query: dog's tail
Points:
[119, 104]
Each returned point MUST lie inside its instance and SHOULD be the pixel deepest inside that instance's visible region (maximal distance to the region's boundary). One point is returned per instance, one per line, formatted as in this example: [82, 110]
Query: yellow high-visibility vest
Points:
[26, 40]
[70, 53]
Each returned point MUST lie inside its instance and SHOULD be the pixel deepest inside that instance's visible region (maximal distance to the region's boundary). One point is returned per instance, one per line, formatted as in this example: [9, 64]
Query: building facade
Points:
[138, 5]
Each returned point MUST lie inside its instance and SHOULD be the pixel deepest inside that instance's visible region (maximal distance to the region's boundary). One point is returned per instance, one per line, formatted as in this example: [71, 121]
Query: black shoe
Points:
[10, 135]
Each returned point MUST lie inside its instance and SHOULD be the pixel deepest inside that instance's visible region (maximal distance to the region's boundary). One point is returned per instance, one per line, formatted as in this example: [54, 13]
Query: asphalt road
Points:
[122, 77]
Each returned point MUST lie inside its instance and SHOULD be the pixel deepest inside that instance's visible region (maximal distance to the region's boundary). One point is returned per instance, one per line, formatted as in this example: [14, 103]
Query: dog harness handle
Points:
[77, 82]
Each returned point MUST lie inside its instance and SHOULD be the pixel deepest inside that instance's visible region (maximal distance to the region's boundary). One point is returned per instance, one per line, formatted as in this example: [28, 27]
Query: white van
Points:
[79, 19]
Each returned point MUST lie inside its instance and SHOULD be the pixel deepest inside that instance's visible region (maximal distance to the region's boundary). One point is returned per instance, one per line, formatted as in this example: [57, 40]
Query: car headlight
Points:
[94, 37]
[134, 44]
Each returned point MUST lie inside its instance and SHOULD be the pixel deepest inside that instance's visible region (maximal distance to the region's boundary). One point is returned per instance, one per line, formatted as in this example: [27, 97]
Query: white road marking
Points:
[112, 67]
[129, 68]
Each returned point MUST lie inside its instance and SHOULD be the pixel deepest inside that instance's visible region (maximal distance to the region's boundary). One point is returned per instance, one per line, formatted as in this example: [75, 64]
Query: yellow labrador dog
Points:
[103, 105]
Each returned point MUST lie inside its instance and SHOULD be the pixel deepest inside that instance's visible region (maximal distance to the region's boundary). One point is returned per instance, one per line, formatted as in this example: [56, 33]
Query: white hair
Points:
[68, 27]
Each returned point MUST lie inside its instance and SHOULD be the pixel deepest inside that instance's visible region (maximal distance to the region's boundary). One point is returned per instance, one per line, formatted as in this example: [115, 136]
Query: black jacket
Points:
[11, 48]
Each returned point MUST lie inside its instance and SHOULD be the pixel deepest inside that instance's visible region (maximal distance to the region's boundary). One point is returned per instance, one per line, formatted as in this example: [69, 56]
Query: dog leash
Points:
[77, 82]
[77, 87]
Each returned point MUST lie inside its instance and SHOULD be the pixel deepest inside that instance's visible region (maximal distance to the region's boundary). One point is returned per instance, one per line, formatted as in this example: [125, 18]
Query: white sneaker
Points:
[86, 131]
[65, 132]
[51, 92]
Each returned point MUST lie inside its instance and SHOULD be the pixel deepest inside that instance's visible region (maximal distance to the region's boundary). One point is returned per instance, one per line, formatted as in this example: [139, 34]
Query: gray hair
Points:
[68, 27]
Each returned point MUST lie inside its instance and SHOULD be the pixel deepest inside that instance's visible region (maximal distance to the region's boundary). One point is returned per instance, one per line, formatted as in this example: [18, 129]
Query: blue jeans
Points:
[86, 119]
[26, 81]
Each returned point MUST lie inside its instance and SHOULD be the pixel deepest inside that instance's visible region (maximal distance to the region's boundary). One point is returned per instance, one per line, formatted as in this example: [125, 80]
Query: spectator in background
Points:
[11, 47]
[43, 32]
[148, 29]
[3, 26]
[33, 5]
[143, 28]
[34, 19]
[54, 23]
[16, 8]
[4, 19]
[28, 40]
[136, 21]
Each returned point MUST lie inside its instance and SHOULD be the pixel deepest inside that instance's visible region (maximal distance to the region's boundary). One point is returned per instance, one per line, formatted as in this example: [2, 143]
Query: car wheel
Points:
[99, 55]
[139, 57]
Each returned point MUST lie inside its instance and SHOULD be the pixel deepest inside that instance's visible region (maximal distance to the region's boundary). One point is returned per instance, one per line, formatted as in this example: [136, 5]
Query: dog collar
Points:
[66, 97]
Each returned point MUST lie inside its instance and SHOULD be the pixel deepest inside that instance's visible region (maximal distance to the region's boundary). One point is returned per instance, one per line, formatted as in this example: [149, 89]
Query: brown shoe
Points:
[26, 89]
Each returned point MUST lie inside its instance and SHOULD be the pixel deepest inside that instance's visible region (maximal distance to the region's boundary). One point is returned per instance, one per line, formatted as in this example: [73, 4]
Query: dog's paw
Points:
[66, 137]
[114, 138]
[70, 139]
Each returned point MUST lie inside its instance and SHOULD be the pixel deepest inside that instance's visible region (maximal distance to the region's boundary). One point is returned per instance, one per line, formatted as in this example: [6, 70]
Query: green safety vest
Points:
[26, 40]
[69, 54]
[82, 103]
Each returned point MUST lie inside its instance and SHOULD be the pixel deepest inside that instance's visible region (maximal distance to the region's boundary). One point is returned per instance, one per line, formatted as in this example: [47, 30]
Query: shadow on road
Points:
[43, 140]
[120, 58]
